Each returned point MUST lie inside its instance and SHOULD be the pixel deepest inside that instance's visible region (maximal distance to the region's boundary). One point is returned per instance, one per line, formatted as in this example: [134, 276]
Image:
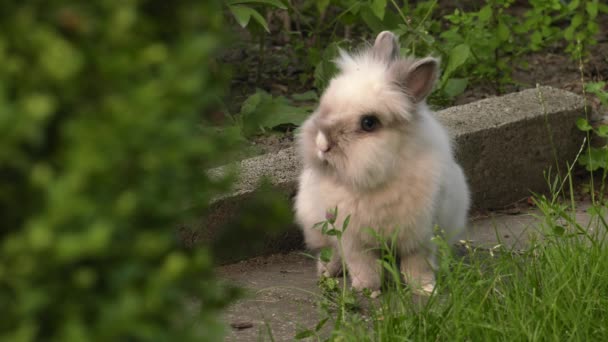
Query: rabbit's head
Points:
[367, 115]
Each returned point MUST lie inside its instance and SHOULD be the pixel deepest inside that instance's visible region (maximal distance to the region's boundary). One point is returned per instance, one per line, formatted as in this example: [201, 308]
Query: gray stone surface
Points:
[505, 144]
[283, 293]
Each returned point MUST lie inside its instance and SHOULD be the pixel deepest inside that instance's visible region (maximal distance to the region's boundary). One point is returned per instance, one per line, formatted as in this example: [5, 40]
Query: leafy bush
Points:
[102, 150]
[477, 42]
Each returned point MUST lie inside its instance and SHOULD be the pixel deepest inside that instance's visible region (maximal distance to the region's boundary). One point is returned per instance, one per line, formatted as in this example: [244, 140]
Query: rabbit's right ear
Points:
[386, 46]
[416, 76]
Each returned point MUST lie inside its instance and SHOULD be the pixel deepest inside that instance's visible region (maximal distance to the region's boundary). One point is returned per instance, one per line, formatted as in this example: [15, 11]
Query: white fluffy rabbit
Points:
[374, 150]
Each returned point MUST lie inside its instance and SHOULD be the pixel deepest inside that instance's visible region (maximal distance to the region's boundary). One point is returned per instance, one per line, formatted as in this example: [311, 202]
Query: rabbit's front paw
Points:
[417, 269]
[360, 285]
[330, 269]
[365, 279]
[424, 289]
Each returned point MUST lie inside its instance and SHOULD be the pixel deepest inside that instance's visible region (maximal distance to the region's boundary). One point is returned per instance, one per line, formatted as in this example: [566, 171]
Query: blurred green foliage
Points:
[102, 151]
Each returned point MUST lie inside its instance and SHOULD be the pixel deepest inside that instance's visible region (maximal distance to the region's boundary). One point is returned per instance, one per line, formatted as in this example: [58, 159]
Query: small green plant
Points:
[596, 155]
[262, 112]
[484, 37]
[583, 26]
[335, 298]
[329, 228]
[539, 24]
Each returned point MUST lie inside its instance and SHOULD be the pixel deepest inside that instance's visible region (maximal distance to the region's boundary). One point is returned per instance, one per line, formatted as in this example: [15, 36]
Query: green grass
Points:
[555, 289]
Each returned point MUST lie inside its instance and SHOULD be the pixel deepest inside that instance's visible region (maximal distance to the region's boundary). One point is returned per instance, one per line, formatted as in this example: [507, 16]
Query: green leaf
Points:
[354, 9]
[455, 86]
[536, 39]
[577, 20]
[559, 230]
[569, 33]
[310, 95]
[304, 334]
[263, 111]
[592, 29]
[38, 106]
[331, 232]
[602, 131]
[592, 9]
[345, 223]
[583, 124]
[502, 32]
[322, 5]
[596, 210]
[275, 3]
[595, 87]
[258, 17]
[594, 158]
[321, 323]
[378, 7]
[458, 56]
[485, 13]
[251, 104]
[243, 15]
[318, 224]
[60, 59]
[598, 89]
[324, 227]
[326, 69]
[371, 20]
[325, 254]
[281, 112]
[573, 5]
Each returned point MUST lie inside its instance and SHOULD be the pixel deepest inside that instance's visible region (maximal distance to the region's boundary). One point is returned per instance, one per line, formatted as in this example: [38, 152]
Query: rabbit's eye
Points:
[369, 123]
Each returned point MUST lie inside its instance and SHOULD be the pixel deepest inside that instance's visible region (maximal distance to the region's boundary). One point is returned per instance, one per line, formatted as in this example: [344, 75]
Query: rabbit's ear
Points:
[417, 77]
[386, 47]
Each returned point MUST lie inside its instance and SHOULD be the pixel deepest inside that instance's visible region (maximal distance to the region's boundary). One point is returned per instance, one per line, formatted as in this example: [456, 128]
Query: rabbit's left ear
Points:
[417, 78]
[386, 46]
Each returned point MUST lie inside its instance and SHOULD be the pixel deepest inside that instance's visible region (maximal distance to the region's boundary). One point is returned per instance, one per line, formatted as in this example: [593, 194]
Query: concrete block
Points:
[505, 144]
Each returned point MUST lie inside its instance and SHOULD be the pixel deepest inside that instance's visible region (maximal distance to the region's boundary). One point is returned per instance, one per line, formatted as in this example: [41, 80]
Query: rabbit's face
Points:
[365, 116]
[355, 134]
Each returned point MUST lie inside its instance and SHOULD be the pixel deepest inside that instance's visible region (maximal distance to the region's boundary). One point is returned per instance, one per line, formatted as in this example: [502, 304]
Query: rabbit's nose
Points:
[322, 143]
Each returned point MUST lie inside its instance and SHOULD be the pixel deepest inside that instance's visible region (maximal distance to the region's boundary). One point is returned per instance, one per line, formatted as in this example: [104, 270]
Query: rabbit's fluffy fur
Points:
[394, 173]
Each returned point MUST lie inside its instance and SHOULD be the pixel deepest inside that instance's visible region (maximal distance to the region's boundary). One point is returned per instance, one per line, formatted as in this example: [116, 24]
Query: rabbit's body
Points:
[398, 178]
